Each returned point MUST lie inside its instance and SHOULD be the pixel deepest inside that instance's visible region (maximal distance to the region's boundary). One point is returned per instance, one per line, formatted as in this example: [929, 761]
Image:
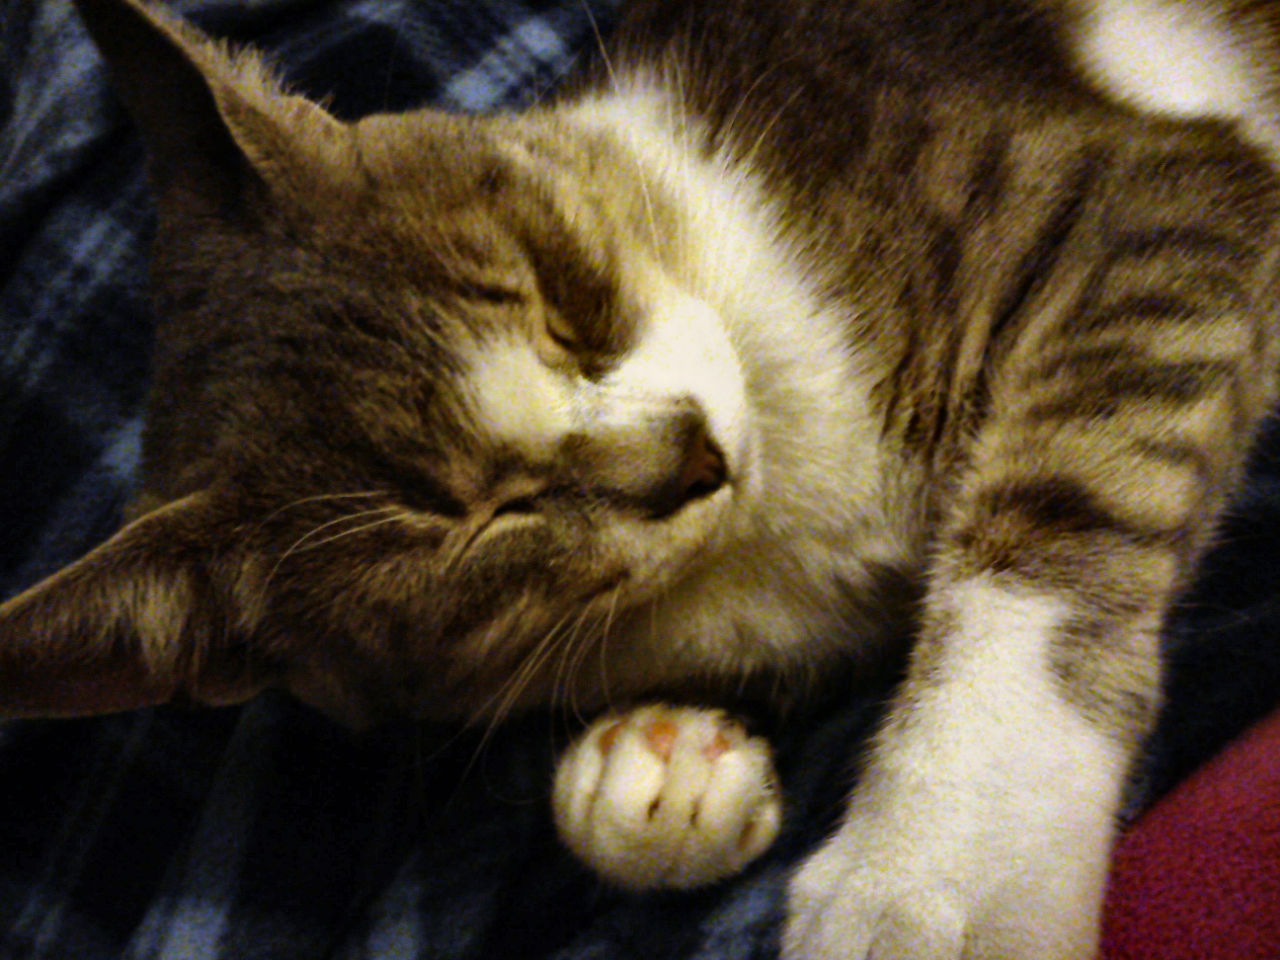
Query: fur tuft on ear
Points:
[212, 120]
[133, 623]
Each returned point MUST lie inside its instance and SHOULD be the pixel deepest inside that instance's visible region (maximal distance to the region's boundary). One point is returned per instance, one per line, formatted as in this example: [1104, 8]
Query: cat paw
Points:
[666, 796]
[891, 887]
[839, 912]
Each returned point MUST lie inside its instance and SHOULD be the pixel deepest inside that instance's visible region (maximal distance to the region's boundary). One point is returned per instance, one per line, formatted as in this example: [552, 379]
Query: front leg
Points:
[983, 823]
[1100, 430]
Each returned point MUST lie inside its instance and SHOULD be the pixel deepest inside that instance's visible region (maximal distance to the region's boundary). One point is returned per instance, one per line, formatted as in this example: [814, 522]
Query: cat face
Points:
[455, 414]
[431, 413]
[516, 425]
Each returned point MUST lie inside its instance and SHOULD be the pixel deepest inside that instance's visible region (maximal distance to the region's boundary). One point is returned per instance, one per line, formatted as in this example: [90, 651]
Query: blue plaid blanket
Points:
[265, 831]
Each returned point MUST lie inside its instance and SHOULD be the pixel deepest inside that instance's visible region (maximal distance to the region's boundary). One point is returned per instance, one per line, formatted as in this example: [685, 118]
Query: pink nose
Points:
[699, 472]
[702, 471]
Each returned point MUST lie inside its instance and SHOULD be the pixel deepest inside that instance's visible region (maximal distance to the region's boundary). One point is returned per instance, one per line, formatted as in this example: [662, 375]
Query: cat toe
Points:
[667, 797]
[875, 891]
[856, 922]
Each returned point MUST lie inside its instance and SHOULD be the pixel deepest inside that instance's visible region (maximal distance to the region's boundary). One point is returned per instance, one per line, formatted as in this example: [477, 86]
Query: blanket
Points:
[1200, 875]
[267, 832]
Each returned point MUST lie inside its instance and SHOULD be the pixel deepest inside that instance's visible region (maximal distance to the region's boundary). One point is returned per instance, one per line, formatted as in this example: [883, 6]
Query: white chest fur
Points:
[810, 513]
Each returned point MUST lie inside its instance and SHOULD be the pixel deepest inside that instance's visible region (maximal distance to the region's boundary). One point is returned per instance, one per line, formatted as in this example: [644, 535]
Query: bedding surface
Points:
[265, 831]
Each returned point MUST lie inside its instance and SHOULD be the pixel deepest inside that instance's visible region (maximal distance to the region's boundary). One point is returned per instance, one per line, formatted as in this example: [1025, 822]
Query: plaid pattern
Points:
[265, 831]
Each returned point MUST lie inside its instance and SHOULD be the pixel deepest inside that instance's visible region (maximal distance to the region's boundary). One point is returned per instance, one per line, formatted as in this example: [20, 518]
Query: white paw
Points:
[666, 797]
[982, 859]
[869, 893]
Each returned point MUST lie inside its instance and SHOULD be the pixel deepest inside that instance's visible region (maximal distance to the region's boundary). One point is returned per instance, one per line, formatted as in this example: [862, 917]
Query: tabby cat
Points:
[668, 385]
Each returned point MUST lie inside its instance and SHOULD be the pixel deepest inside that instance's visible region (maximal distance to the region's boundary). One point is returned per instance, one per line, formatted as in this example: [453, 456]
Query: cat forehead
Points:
[428, 197]
[452, 156]
[445, 247]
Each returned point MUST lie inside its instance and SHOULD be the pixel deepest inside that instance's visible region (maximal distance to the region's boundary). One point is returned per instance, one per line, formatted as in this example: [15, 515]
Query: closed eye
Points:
[494, 293]
[512, 510]
[516, 506]
[421, 492]
[561, 333]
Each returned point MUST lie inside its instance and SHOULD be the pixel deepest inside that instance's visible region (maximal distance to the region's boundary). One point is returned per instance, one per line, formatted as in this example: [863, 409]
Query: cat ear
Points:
[212, 121]
[133, 623]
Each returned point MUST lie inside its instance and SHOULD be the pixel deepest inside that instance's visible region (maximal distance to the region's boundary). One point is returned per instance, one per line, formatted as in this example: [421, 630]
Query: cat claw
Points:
[666, 796]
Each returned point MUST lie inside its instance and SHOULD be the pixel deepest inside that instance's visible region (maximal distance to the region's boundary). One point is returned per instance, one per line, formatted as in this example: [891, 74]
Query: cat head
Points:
[428, 412]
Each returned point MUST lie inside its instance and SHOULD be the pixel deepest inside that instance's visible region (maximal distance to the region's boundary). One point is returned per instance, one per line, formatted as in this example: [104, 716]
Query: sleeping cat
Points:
[666, 387]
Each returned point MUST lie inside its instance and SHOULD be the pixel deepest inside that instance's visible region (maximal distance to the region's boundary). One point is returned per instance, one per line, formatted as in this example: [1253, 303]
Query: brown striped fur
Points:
[984, 320]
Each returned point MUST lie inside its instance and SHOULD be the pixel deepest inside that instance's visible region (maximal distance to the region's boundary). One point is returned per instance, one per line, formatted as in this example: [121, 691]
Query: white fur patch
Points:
[517, 399]
[997, 708]
[1176, 59]
[803, 392]
[809, 513]
[684, 351]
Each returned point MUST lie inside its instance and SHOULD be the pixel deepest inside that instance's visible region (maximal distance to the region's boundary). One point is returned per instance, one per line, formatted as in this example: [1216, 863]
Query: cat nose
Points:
[700, 472]
[703, 471]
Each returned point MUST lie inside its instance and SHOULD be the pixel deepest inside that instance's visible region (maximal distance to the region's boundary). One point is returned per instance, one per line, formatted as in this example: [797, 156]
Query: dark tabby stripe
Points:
[1177, 453]
[1038, 263]
[1142, 307]
[1060, 506]
[1111, 390]
[989, 177]
[1188, 239]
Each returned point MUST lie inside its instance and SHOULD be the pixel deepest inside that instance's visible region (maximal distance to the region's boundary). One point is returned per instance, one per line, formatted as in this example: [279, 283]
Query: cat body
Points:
[787, 328]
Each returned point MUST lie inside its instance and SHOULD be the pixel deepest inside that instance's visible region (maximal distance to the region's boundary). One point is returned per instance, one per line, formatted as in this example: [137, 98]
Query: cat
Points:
[784, 322]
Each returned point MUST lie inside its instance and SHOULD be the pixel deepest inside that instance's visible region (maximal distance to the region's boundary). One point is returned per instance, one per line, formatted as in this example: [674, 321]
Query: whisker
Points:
[399, 515]
[580, 655]
[573, 652]
[750, 157]
[746, 94]
[317, 498]
[602, 660]
[565, 640]
[681, 127]
[560, 682]
[608, 624]
[501, 693]
[600, 45]
[346, 518]
[493, 719]
[510, 692]
[564, 687]
[681, 103]
[573, 657]
[617, 88]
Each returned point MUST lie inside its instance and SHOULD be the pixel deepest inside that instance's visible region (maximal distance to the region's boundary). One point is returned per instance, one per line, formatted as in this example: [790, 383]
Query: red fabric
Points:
[1198, 876]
